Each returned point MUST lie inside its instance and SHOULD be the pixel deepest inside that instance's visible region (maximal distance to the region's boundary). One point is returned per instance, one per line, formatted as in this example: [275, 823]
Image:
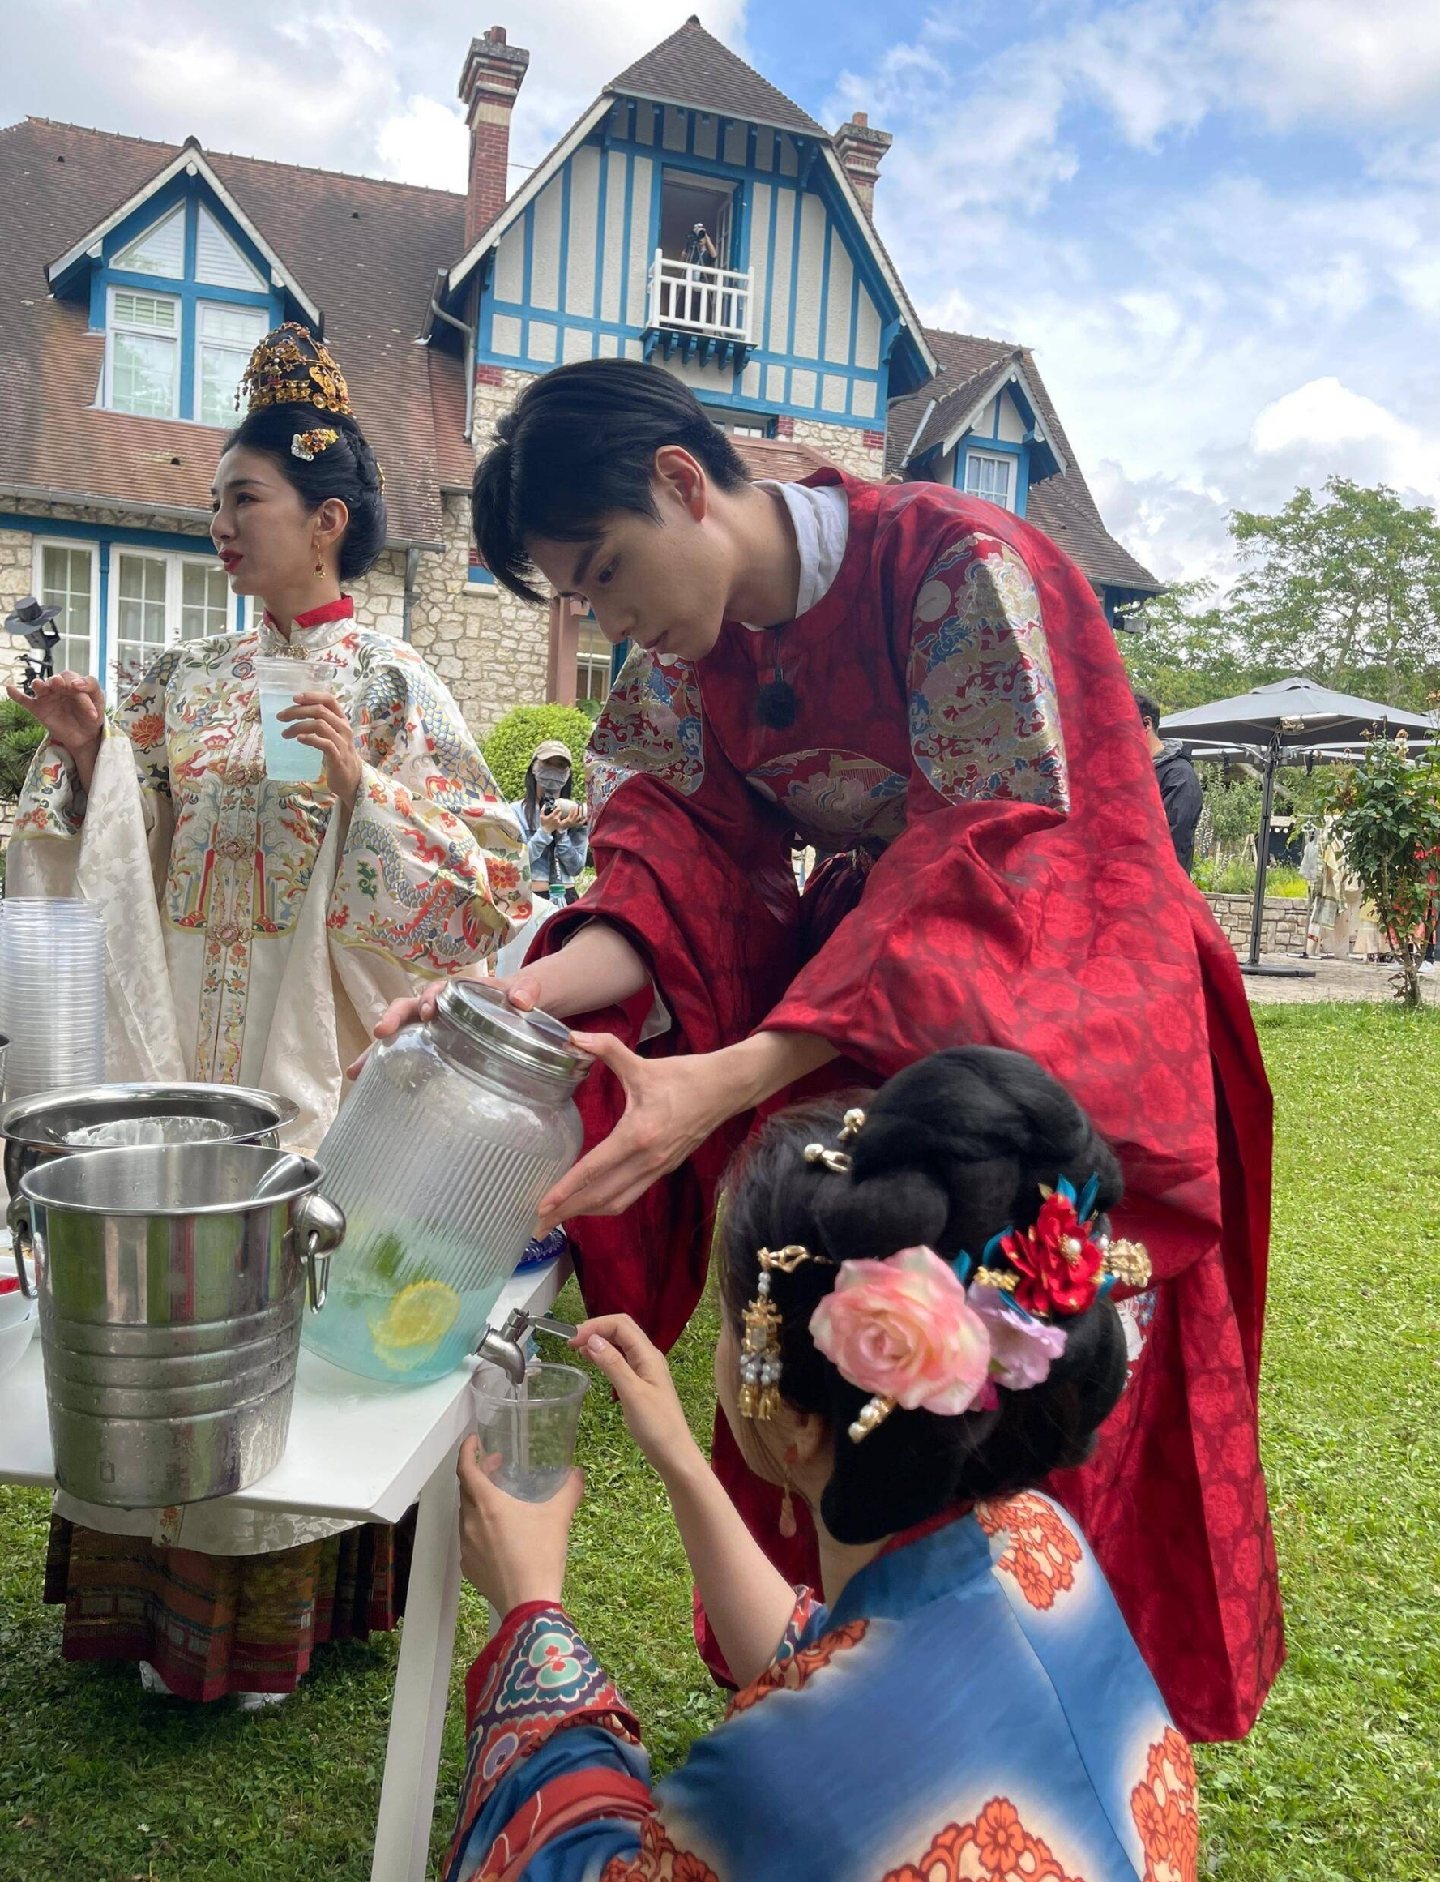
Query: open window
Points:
[696, 215]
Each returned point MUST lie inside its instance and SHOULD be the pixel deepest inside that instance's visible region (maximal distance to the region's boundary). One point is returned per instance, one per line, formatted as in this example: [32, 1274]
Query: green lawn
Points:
[1337, 1781]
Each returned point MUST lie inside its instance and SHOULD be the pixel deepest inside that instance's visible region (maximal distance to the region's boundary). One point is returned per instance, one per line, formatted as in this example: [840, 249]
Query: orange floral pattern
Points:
[1165, 1812]
[659, 1860]
[998, 1842]
[1042, 1554]
[790, 1673]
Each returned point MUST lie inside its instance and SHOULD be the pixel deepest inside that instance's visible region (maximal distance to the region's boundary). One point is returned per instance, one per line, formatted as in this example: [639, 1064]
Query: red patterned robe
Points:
[998, 872]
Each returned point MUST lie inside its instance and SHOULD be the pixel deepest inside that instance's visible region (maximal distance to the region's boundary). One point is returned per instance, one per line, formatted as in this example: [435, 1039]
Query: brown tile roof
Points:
[368, 250]
[1062, 505]
[784, 460]
[691, 67]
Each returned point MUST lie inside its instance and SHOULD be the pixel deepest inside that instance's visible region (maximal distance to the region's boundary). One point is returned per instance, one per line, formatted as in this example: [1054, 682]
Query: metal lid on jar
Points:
[482, 1013]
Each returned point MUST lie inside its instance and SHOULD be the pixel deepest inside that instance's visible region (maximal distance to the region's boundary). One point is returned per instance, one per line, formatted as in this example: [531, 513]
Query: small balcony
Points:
[699, 312]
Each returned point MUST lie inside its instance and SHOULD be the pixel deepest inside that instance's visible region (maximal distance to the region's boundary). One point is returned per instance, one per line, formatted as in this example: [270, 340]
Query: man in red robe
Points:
[924, 690]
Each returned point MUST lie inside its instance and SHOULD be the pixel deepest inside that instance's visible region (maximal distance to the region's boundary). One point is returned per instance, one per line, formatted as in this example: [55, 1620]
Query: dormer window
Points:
[988, 474]
[184, 306]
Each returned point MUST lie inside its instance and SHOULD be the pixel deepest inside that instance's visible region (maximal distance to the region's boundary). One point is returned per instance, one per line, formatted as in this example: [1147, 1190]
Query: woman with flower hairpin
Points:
[962, 1699]
[277, 920]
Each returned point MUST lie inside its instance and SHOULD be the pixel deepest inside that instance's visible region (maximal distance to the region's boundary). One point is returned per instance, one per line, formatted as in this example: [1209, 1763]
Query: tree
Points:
[1346, 591]
[1387, 816]
[1182, 650]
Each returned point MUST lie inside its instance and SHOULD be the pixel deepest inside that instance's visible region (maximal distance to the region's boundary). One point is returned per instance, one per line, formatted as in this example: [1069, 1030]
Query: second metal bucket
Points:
[172, 1284]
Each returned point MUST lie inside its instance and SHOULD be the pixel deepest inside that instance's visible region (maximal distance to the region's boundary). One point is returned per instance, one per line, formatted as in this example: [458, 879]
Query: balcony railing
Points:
[711, 303]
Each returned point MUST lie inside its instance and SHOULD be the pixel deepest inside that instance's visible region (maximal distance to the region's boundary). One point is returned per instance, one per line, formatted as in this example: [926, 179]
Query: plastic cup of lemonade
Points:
[277, 682]
[532, 1427]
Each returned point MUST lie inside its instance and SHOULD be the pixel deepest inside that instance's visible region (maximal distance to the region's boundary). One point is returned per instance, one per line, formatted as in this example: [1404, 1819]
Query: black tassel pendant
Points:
[776, 706]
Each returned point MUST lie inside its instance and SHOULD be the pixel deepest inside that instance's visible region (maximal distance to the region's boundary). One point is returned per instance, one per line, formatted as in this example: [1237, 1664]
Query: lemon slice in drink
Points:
[415, 1322]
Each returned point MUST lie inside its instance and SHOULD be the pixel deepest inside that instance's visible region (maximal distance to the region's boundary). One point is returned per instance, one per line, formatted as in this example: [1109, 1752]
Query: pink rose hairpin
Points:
[925, 1334]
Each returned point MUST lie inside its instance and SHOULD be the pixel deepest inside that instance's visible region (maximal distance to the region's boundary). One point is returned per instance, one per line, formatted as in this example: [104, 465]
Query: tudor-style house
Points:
[693, 216]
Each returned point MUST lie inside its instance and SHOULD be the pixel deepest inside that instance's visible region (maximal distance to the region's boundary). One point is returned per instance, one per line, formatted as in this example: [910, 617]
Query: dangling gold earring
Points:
[319, 564]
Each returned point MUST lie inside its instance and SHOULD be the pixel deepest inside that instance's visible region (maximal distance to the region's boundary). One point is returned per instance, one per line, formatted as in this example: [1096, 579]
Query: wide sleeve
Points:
[432, 872]
[1033, 900]
[557, 1785]
[98, 846]
[694, 870]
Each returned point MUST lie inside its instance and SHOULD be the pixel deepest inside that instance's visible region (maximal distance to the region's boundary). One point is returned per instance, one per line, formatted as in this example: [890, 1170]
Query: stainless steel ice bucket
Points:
[36, 1128]
[172, 1282]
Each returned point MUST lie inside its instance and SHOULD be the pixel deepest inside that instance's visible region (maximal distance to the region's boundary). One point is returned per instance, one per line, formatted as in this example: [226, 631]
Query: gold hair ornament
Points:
[838, 1161]
[760, 1345]
[309, 444]
[291, 367]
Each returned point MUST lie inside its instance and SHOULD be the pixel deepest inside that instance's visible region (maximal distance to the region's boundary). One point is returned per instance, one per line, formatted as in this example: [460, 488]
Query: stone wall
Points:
[1282, 925]
[861, 453]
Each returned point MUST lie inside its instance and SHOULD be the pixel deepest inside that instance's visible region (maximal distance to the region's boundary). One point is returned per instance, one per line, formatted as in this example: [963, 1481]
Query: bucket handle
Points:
[23, 1241]
[320, 1224]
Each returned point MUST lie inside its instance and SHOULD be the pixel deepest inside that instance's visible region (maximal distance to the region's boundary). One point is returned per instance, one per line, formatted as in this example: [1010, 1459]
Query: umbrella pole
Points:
[1262, 855]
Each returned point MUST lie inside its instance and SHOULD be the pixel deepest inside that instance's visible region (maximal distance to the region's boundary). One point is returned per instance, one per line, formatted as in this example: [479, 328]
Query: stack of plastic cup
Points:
[52, 993]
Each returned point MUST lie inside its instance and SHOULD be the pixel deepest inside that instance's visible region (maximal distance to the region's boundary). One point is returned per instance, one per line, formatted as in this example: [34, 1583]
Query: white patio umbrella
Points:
[1293, 715]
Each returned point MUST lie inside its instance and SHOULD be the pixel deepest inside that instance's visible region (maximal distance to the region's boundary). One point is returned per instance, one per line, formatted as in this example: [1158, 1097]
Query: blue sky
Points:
[1216, 221]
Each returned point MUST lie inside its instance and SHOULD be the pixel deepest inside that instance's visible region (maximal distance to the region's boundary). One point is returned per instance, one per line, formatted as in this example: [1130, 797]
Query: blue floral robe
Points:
[973, 1707]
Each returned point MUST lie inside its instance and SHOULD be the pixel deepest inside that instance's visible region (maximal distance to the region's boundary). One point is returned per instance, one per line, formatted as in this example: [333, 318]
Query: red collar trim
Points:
[340, 610]
[918, 1531]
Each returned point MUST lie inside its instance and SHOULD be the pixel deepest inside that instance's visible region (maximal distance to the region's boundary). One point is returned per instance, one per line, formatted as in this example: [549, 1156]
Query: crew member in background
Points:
[1179, 786]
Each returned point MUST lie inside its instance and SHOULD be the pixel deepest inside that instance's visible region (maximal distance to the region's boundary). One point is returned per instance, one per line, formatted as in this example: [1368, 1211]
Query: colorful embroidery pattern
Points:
[835, 794]
[659, 1860]
[543, 1681]
[996, 1847]
[1040, 1551]
[984, 715]
[1137, 1317]
[651, 727]
[1165, 1811]
[794, 1665]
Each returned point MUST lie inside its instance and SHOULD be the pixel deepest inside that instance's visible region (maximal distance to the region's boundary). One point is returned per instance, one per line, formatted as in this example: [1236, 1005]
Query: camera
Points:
[699, 229]
[547, 804]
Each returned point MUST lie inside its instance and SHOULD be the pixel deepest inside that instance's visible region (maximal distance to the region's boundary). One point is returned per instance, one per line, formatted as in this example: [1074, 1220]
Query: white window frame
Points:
[37, 581]
[992, 457]
[175, 560]
[110, 332]
[228, 307]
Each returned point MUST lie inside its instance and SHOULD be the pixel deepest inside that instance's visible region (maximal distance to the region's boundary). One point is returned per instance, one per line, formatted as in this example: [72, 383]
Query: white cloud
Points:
[426, 142]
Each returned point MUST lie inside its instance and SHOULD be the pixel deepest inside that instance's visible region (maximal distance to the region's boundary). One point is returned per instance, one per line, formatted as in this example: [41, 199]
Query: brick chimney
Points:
[860, 150]
[489, 85]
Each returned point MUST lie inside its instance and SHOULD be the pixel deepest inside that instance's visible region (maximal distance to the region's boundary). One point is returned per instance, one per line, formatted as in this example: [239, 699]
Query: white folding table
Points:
[363, 1453]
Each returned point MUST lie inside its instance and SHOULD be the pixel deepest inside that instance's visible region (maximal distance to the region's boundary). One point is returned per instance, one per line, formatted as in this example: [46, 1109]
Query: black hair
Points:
[953, 1151]
[345, 469]
[1148, 710]
[579, 442]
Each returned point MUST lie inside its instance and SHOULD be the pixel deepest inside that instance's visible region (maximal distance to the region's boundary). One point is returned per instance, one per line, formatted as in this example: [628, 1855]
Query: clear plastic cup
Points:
[532, 1427]
[52, 993]
[277, 682]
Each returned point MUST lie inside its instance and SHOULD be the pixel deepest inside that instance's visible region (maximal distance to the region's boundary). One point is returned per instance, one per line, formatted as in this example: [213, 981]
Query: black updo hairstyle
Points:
[345, 469]
[953, 1151]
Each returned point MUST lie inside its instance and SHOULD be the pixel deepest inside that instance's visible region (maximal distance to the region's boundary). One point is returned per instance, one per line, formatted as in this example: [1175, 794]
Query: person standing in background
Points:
[1179, 786]
[552, 823]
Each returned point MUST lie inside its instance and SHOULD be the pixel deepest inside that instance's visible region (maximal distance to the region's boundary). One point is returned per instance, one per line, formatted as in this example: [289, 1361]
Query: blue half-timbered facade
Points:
[728, 245]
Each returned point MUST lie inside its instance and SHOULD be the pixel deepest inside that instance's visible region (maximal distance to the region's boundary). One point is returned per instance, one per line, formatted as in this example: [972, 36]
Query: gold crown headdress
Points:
[291, 367]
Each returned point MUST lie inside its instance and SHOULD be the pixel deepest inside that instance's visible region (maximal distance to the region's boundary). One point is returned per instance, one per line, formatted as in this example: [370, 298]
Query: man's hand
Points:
[671, 1107]
[511, 1551]
[637, 1370]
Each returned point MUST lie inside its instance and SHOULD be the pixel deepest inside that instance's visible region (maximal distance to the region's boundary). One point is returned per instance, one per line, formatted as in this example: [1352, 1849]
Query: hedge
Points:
[510, 747]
